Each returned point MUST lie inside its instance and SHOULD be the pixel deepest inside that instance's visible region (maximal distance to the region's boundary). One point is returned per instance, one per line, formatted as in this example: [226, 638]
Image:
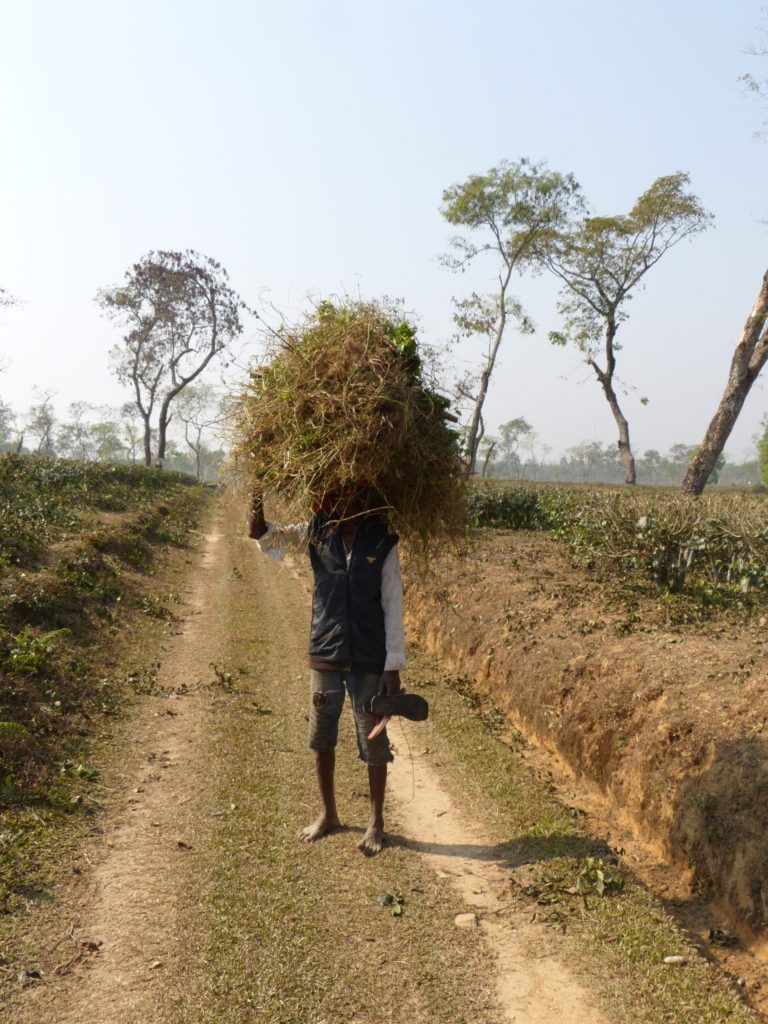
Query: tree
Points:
[747, 362]
[6, 301]
[601, 261]
[40, 424]
[681, 454]
[762, 451]
[488, 453]
[198, 410]
[506, 209]
[7, 426]
[180, 314]
[759, 86]
[653, 460]
[131, 431]
[74, 437]
[512, 434]
[107, 443]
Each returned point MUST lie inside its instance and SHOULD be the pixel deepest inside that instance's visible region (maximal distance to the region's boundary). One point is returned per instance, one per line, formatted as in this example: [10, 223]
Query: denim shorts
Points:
[327, 701]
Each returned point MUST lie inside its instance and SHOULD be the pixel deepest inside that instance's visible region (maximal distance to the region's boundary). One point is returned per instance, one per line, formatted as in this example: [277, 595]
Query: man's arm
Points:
[392, 605]
[273, 540]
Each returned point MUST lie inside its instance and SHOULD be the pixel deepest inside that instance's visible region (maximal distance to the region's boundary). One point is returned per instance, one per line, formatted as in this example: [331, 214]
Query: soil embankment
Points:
[670, 723]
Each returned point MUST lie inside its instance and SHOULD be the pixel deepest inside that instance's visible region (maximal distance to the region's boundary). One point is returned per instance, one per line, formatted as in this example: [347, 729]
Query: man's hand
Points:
[390, 683]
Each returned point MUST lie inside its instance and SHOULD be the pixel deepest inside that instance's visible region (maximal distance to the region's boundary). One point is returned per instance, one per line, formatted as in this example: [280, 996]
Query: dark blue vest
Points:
[347, 618]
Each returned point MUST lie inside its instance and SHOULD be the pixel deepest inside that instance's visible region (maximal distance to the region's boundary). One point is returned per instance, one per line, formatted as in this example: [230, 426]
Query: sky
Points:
[306, 145]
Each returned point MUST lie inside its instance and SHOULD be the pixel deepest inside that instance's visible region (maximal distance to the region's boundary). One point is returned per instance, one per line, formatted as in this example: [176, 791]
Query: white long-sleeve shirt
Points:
[280, 539]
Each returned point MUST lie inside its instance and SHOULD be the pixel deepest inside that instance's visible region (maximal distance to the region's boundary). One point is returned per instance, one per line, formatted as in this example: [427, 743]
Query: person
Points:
[356, 642]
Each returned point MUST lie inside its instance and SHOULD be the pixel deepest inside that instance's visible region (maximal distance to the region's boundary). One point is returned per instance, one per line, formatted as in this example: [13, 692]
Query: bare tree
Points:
[199, 409]
[601, 261]
[507, 209]
[489, 449]
[180, 314]
[747, 362]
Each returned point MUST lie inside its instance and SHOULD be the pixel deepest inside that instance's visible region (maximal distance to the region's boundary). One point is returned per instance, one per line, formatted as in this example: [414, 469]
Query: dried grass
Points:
[342, 418]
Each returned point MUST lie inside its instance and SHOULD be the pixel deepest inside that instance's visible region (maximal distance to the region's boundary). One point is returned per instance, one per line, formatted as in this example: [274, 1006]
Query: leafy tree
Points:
[40, 424]
[601, 261]
[748, 360]
[7, 426]
[762, 453]
[179, 314]
[506, 211]
[681, 454]
[131, 431]
[74, 437]
[714, 476]
[106, 438]
[512, 434]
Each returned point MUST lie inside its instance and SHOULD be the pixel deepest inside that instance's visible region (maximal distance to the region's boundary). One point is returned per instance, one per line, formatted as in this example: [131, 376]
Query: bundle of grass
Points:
[343, 418]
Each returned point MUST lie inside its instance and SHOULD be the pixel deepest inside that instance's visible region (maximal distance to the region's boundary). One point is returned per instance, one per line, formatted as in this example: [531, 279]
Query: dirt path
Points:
[141, 903]
[532, 986]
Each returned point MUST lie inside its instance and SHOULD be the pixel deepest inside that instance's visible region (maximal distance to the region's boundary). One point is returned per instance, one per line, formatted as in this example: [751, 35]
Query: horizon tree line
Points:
[102, 433]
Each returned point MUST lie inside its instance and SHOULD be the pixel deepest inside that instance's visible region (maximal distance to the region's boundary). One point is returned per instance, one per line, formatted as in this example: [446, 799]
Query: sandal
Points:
[407, 705]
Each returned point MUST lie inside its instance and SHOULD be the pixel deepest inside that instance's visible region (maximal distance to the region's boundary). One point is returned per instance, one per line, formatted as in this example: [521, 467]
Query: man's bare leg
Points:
[373, 840]
[325, 763]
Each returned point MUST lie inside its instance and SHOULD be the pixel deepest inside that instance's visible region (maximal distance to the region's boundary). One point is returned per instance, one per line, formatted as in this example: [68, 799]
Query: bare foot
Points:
[325, 823]
[372, 841]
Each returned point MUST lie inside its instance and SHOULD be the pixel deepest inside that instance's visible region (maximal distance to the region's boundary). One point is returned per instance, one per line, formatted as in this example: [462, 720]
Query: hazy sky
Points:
[306, 145]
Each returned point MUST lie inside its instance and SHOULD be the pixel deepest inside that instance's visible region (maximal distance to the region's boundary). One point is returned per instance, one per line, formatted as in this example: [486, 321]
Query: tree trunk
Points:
[748, 360]
[162, 433]
[625, 449]
[488, 455]
[147, 441]
[473, 439]
[606, 381]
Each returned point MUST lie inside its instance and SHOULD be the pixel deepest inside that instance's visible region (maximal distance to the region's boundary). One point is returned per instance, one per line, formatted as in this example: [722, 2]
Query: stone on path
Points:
[466, 921]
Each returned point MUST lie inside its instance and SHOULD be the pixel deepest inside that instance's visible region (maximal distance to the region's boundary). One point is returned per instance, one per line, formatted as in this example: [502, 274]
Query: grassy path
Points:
[202, 907]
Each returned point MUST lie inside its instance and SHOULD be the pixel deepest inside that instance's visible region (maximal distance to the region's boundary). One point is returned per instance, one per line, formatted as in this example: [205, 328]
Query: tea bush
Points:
[40, 497]
[717, 543]
[65, 576]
